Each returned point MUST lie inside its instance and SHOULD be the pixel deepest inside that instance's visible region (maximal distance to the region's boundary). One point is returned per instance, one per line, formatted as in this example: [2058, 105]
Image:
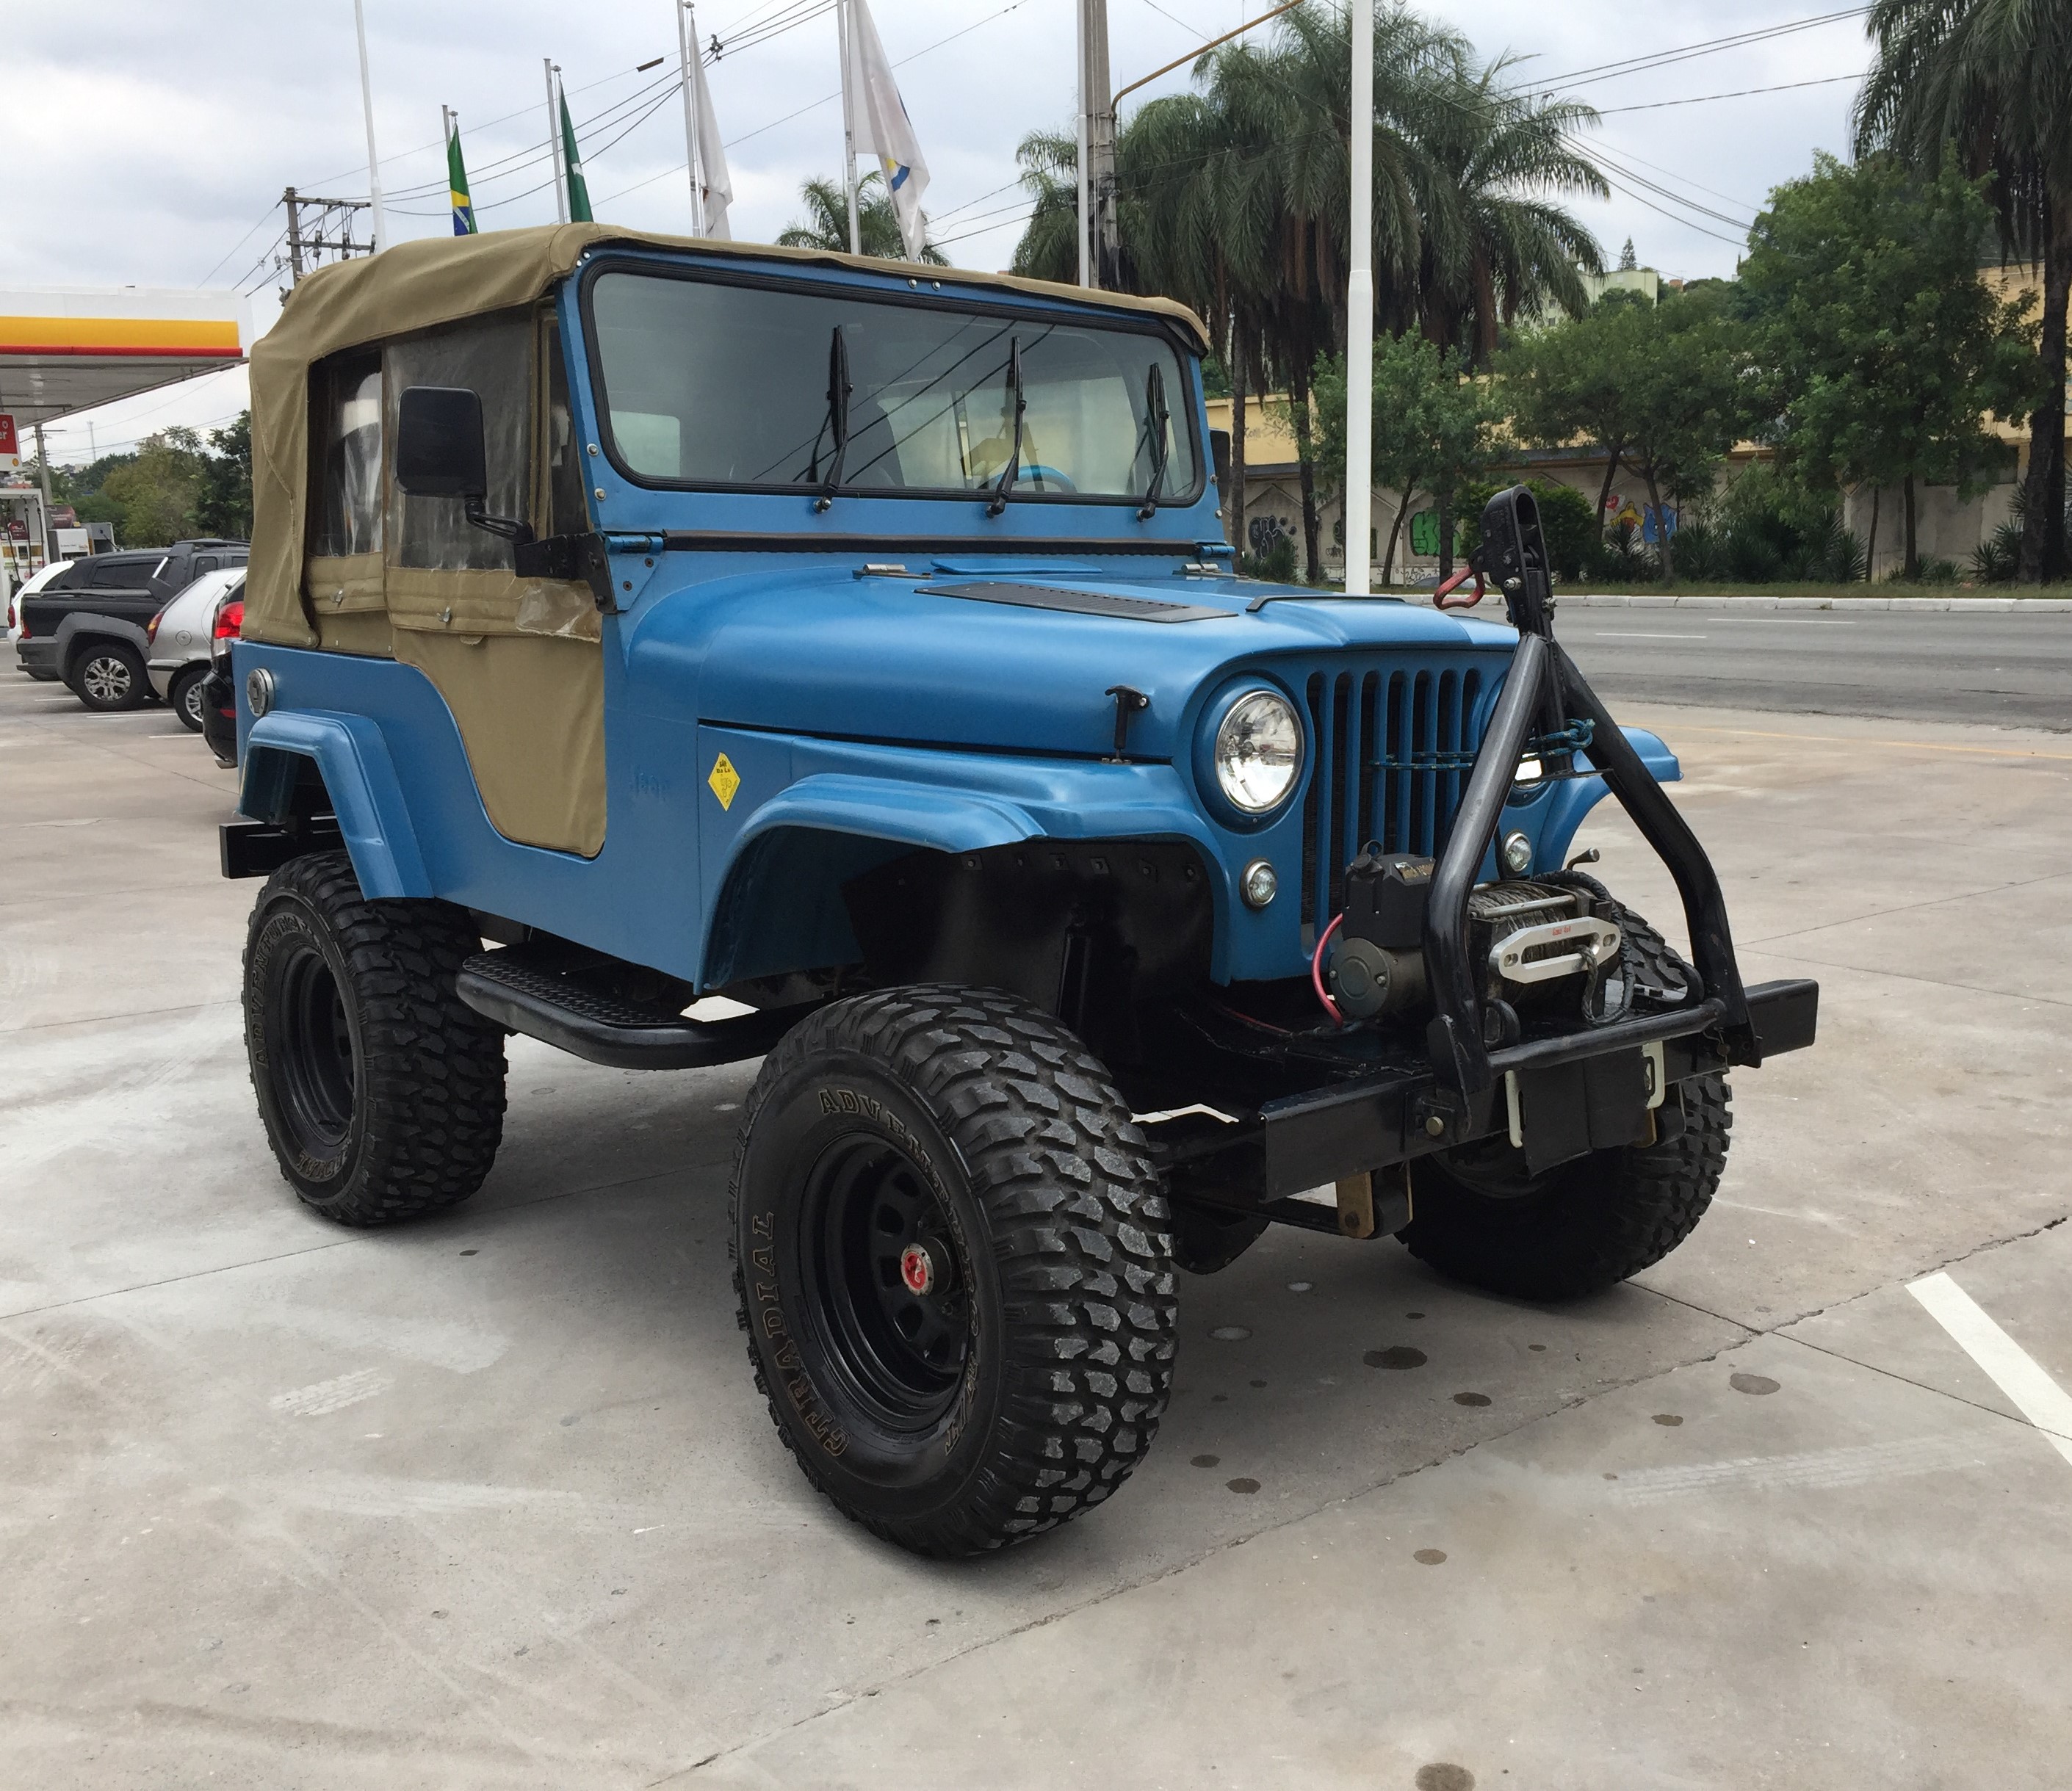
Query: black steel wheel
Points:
[382, 1093]
[109, 675]
[185, 695]
[951, 1255]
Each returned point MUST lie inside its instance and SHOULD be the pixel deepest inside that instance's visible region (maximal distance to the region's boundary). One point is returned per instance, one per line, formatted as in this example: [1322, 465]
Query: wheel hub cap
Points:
[917, 1269]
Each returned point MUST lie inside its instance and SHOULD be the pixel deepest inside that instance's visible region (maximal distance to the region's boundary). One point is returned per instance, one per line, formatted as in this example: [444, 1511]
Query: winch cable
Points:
[1316, 971]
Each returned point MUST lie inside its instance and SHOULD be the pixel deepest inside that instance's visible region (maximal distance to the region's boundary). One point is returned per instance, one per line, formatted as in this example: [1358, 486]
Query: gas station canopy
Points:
[67, 350]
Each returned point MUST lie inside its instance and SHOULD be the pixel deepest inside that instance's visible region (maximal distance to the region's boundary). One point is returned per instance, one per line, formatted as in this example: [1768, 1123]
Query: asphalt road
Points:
[2004, 670]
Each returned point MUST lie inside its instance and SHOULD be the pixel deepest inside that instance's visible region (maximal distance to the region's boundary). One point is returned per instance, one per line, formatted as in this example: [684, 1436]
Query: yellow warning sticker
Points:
[725, 780]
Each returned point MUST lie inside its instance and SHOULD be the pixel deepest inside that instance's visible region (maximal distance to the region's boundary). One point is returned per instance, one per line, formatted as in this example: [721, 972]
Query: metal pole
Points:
[367, 105]
[687, 46]
[1359, 310]
[554, 144]
[1099, 158]
[848, 129]
[1080, 170]
[43, 478]
[294, 236]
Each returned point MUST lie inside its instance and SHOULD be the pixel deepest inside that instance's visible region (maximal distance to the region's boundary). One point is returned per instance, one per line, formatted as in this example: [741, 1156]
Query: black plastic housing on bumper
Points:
[258, 848]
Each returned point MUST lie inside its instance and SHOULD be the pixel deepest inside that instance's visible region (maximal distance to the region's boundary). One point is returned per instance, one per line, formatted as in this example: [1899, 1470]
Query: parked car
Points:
[29, 587]
[860, 642]
[218, 691]
[87, 627]
[181, 638]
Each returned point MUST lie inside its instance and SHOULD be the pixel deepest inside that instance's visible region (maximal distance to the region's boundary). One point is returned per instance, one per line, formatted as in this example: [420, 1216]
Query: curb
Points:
[1962, 605]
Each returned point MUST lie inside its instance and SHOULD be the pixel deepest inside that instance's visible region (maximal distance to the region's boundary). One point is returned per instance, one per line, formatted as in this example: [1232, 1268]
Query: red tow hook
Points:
[1440, 595]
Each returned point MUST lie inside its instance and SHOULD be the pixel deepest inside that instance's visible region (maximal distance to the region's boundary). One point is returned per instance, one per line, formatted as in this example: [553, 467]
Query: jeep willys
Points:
[631, 621]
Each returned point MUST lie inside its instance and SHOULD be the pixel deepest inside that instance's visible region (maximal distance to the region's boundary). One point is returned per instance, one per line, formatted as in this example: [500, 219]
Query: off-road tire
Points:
[1057, 1314]
[184, 696]
[108, 676]
[1586, 1225]
[398, 1109]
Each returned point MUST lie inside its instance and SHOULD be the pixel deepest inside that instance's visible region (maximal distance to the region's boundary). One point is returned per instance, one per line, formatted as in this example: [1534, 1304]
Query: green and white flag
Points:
[572, 160]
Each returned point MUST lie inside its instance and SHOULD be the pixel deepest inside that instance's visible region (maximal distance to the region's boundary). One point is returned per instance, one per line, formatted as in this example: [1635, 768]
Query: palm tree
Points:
[878, 224]
[1985, 79]
[1508, 157]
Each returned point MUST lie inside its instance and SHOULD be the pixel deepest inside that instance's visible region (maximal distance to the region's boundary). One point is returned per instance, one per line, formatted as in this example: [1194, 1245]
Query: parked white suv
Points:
[179, 635]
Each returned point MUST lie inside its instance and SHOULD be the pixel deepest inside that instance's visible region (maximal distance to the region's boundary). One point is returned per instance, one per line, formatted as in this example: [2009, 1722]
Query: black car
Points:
[86, 625]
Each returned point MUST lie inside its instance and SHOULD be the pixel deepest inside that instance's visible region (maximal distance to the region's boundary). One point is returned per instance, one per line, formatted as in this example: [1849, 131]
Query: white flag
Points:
[715, 188]
[878, 116]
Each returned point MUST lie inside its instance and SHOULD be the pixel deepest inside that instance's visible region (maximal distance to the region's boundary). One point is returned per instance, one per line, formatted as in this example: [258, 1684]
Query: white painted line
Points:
[1798, 621]
[1855, 1464]
[2041, 1400]
[1621, 634]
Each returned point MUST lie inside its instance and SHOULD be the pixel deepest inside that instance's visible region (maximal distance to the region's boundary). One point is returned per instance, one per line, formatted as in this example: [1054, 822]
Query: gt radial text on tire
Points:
[1582, 1227]
[382, 1091]
[954, 1265]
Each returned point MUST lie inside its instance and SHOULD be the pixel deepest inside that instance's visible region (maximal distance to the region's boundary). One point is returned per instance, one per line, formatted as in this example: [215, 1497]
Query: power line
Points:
[1739, 93]
[1661, 59]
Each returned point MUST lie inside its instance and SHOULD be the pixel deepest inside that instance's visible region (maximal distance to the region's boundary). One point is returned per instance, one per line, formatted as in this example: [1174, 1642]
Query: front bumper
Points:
[1572, 1091]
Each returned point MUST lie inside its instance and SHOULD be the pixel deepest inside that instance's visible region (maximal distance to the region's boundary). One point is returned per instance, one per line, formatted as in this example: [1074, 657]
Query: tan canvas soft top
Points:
[418, 286]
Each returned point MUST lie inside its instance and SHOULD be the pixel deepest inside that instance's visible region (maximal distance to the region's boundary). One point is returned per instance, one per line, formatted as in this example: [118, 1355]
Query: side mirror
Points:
[439, 450]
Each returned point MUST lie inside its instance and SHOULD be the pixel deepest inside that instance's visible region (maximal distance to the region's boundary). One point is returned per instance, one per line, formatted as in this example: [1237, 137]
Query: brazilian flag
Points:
[572, 160]
[463, 207]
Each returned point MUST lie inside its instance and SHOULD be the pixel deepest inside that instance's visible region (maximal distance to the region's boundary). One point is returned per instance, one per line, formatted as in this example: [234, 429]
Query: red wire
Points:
[1317, 972]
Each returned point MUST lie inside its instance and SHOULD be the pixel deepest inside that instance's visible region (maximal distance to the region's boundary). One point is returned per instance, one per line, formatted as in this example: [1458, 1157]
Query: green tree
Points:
[877, 224]
[1884, 348]
[1987, 79]
[1667, 388]
[1433, 428]
[158, 490]
[225, 506]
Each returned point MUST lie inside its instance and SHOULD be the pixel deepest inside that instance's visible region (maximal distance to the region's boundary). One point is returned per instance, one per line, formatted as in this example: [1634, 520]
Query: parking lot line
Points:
[1620, 634]
[1843, 740]
[2014, 1371]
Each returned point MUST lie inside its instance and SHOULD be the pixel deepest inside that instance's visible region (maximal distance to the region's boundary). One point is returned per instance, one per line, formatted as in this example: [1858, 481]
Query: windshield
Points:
[706, 383]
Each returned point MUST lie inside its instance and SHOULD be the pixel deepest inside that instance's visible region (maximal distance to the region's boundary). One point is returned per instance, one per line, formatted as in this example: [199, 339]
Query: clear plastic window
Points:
[345, 433]
[493, 356]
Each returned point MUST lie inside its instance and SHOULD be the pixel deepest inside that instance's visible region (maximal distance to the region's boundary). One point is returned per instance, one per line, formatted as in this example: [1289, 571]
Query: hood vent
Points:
[1079, 603]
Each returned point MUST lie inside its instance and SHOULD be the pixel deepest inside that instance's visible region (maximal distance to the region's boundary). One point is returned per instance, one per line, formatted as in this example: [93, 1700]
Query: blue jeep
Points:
[633, 621]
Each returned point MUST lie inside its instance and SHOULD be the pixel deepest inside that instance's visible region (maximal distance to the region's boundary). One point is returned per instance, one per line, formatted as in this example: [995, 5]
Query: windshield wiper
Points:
[837, 418]
[1157, 418]
[1012, 471]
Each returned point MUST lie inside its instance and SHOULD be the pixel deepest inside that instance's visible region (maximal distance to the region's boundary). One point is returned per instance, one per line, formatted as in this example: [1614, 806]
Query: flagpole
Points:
[1082, 177]
[686, 43]
[367, 105]
[554, 144]
[1359, 310]
[848, 129]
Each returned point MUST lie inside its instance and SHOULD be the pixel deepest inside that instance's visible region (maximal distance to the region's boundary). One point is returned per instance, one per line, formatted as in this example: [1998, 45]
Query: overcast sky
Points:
[149, 143]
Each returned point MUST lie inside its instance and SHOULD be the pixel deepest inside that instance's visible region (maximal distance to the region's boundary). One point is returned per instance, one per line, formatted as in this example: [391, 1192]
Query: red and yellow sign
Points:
[177, 338]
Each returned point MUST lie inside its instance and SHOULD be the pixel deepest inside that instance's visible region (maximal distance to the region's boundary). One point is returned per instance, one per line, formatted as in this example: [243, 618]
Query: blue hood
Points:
[820, 650]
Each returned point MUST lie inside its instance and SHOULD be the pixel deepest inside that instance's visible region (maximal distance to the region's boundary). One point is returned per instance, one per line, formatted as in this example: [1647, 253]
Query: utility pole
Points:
[554, 145]
[367, 105]
[848, 129]
[43, 478]
[1360, 309]
[306, 245]
[687, 49]
[1099, 248]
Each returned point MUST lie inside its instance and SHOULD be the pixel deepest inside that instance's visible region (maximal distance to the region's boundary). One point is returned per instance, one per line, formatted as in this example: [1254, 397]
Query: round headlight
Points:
[1258, 751]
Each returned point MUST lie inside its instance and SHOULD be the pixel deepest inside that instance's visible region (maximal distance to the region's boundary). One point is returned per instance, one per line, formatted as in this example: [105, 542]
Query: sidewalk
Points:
[1962, 602]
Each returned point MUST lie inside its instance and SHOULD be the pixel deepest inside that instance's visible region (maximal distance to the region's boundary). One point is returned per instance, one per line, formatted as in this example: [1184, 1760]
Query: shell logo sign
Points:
[10, 445]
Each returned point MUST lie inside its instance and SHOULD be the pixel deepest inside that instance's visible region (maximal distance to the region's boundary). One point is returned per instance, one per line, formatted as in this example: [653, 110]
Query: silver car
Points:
[180, 634]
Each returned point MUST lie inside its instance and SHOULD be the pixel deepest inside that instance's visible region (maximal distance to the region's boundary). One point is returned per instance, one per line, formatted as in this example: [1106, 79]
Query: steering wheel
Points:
[1035, 470]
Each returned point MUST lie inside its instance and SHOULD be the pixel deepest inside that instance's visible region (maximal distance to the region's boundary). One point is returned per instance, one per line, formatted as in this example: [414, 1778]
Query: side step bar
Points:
[515, 990]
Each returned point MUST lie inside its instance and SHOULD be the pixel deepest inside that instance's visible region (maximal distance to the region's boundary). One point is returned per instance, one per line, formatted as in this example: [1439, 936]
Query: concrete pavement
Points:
[490, 1501]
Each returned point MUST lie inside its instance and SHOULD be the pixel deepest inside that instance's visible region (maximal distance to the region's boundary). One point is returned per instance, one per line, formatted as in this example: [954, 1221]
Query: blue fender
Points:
[1570, 801]
[366, 795]
[777, 892]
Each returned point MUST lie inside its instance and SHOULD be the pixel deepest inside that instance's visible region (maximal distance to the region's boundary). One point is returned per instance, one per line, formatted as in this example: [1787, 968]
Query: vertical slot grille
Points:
[1390, 750]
